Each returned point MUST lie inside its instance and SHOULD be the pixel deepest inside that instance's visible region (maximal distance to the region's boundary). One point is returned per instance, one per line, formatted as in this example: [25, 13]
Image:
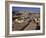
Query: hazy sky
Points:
[32, 9]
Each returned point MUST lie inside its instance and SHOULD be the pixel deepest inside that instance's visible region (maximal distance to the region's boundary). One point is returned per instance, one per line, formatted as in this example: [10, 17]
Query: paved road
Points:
[31, 26]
